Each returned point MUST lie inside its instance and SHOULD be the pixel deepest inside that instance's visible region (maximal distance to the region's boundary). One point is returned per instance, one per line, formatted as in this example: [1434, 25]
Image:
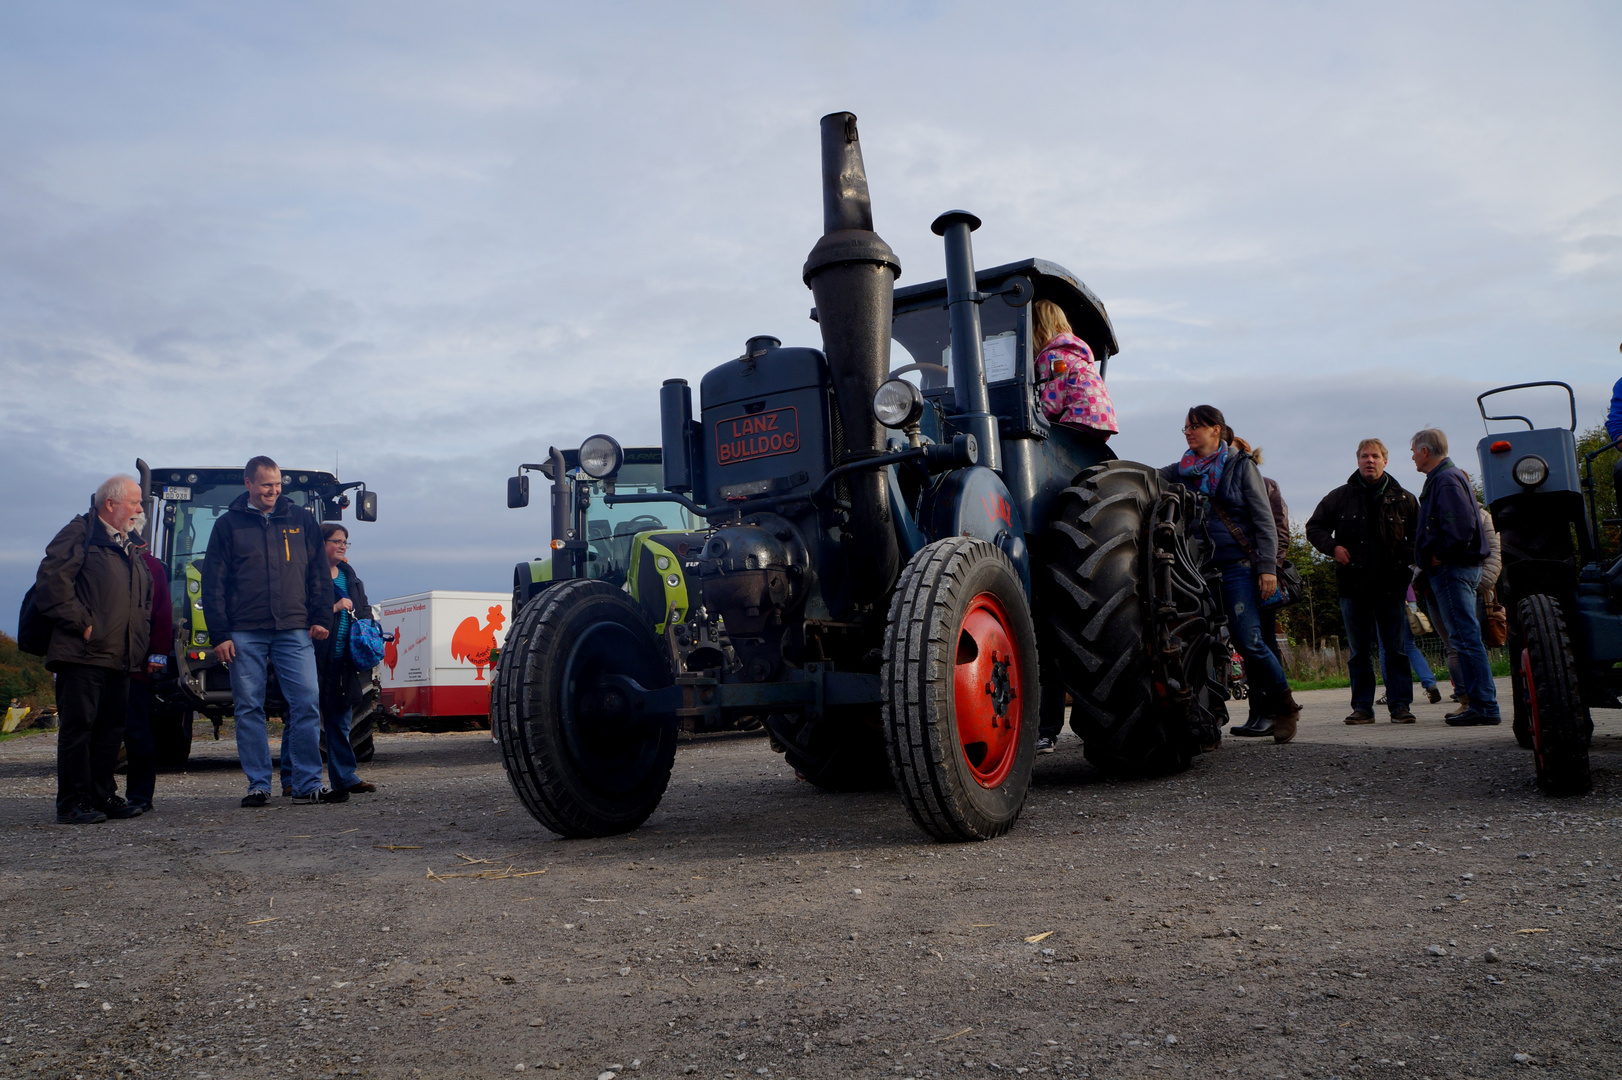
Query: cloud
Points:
[430, 243]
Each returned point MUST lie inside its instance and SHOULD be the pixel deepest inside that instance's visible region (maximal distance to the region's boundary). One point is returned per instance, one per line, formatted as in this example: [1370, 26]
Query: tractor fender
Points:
[975, 502]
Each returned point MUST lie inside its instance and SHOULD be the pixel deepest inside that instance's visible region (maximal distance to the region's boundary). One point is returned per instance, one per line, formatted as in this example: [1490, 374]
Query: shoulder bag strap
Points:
[1238, 534]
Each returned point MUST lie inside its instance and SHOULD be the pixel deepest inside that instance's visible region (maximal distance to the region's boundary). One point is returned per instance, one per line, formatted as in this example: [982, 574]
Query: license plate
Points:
[176, 494]
[763, 434]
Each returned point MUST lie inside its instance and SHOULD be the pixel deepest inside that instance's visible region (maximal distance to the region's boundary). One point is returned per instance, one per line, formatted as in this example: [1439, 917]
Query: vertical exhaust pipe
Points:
[968, 356]
[148, 507]
[852, 273]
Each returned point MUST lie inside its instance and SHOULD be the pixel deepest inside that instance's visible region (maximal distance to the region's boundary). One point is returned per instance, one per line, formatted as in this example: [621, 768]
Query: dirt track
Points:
[1321, 909]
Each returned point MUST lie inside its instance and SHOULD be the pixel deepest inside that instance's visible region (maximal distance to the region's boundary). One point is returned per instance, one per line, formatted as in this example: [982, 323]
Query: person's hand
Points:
[153, 667]
[319, 633]
[345, 604]
[87, 632]
[1435, 562]
[225, 652]
[1343, 556]
[1267, 584]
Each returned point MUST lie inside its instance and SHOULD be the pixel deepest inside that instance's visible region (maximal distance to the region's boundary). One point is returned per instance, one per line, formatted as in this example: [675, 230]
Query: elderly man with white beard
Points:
[96, 592]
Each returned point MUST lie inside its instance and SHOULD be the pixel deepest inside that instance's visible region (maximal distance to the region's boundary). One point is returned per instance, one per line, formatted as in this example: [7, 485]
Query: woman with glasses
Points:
[1245, 547]
[341, 682]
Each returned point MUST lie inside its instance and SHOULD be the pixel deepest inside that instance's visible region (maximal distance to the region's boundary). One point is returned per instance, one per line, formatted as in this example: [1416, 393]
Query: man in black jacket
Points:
[1367, 526]
[267, 596]
[98, 596]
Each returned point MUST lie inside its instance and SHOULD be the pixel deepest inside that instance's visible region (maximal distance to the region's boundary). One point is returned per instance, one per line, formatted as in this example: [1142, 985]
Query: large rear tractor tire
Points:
[582, 760]
[1099, 625]
[843, 751]
[362, 725]
[171, 736]
[962, 696]
[1561, 725]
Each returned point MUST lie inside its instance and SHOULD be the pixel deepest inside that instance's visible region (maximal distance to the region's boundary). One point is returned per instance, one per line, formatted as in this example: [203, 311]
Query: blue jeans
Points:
[1416, 660]
[292, 653]
[335, 716]
[1368, 622]
[1243, 605]
[1454, 588]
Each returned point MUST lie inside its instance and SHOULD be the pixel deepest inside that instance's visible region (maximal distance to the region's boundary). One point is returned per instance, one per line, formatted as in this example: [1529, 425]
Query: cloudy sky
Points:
[424, 241]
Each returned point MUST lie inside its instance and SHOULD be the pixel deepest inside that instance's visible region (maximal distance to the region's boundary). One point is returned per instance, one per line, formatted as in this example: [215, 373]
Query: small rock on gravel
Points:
[1436, 950]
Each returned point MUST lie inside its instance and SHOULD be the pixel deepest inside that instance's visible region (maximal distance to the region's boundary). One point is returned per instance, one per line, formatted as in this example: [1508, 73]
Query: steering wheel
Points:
[640, 523]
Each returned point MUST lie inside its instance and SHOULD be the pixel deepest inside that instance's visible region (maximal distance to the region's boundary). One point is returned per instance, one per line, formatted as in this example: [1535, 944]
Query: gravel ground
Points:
[1372, 901]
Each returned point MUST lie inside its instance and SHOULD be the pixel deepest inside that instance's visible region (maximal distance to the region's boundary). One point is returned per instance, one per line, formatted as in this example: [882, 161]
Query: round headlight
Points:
[601, 457]
[898, 404]
[1531, 471]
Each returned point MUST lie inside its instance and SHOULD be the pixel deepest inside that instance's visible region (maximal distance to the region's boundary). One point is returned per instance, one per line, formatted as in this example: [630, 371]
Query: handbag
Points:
[1419, 625]
[1290, 586]
[1495, 628]
[366, 643]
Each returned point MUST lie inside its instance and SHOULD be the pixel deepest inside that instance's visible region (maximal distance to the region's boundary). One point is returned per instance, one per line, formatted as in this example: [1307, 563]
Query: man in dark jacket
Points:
[1450, 546]
[1367, 526]
[267, 595]
[140, 751]
[98, 596]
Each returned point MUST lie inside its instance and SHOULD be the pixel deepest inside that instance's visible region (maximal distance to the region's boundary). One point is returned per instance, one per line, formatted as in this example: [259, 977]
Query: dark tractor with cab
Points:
[1563, 594]
[900, 569]
[182, 505]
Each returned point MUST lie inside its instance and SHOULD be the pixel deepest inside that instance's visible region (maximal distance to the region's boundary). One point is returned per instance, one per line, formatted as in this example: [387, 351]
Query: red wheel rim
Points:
[987, 691]
[1532, 703]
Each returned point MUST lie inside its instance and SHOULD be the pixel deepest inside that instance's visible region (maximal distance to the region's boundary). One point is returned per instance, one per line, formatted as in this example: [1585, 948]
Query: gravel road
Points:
[1373, 901]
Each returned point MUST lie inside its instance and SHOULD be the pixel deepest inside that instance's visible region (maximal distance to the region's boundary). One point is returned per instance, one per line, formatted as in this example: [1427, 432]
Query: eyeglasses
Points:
[1191, 430]
[339, 543]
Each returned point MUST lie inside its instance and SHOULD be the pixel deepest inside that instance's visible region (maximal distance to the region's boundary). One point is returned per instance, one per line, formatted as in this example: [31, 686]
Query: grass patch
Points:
[1500, 669]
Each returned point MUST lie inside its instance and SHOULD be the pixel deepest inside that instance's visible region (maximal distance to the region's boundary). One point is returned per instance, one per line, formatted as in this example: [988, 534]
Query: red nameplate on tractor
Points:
[764, 434]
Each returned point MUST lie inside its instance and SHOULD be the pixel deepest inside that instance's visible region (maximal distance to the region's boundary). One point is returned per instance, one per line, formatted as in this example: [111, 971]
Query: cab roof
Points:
[1053, 282]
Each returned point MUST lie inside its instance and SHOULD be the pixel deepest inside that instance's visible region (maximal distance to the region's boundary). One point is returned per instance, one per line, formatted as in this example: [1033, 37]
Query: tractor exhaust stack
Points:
[852, 275]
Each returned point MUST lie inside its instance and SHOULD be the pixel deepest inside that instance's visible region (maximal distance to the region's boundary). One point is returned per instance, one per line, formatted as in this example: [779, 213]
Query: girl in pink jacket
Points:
[1068, 380]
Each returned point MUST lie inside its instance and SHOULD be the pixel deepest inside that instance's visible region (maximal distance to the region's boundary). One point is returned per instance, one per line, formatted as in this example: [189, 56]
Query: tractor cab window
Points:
[611, 529]
[925, 336]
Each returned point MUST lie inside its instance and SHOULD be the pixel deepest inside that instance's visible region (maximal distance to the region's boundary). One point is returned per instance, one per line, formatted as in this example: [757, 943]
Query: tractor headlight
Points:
[601, 457]
[898, 404]
[1531, 471]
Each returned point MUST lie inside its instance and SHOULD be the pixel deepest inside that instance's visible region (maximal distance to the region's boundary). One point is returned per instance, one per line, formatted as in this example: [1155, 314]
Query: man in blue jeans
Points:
[1450, 547]
[267, 596]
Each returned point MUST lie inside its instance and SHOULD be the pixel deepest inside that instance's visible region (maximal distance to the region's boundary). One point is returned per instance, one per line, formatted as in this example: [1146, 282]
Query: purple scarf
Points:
[1207, 468]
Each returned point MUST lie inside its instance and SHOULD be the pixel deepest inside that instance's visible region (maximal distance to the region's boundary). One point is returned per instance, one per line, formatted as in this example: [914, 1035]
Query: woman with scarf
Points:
[1244, 546]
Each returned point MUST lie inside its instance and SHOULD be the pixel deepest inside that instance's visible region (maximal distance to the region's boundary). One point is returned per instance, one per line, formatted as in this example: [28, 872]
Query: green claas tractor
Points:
[644, 549]
[884, 555]
[182, 506]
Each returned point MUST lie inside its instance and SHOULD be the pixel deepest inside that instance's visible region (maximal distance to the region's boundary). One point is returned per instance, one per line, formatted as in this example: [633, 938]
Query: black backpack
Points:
[33, 628]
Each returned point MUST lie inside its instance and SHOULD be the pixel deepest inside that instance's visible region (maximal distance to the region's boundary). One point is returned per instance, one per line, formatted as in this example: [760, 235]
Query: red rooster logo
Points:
[473, 645]
[391, 651]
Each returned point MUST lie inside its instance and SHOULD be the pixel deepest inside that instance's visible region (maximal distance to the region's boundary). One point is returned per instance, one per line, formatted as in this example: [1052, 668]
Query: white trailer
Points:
[438, 659]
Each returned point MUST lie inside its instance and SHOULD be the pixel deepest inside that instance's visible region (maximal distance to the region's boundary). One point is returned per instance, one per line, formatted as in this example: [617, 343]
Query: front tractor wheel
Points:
[961, 690]
[1561, 725]
[583, 760]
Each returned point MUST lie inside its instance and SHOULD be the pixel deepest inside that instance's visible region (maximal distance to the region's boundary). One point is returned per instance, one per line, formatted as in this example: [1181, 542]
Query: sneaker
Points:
[1458, 695]
[1472, 718]
[1402, 716]
[143, 807]
[80, 815]
[116, 807]
[320, 795]
[362, 787]
[256, 798]
[1380, 700]
[1360, 717]
[1433, 694]
[1044, 745]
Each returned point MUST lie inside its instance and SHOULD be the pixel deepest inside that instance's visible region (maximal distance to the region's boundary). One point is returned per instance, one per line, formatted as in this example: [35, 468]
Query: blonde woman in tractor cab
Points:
[1070, 386]
[1245, 547]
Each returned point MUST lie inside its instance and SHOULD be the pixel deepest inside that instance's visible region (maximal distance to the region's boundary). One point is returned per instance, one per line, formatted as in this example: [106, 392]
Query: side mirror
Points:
[517, 491]
[365, 505]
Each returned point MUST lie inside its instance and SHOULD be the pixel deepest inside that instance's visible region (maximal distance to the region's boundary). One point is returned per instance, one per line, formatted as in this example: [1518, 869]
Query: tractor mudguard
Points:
[975, 502]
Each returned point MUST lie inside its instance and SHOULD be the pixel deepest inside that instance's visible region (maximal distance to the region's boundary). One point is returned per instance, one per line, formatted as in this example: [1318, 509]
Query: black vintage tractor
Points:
[1563, 594]
[885, 554]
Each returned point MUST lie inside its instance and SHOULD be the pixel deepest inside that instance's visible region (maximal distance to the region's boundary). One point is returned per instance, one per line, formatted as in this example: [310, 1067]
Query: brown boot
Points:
[1285, 718]
[1464, 705]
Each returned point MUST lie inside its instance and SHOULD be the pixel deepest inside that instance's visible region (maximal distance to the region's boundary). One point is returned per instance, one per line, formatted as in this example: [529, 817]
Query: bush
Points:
[23, 677]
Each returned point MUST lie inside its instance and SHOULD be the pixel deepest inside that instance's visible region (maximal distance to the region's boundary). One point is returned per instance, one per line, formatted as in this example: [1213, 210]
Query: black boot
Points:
[1256, 727]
